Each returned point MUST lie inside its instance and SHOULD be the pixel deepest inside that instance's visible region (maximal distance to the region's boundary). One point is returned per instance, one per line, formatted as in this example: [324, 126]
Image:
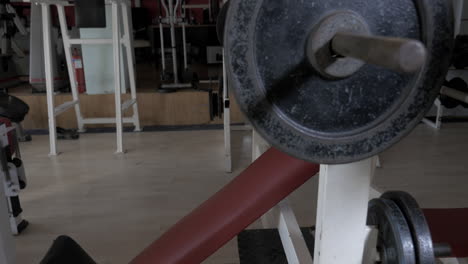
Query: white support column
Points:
[130, 52]
[71, 74]
[227, 119]
[117, 74]
[341, 230]
[49, 78]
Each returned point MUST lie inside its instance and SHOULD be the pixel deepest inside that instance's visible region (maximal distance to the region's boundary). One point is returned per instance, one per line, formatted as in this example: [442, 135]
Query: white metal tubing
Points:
[130, 52]
[71, 73]
[440, 113]
[117, 76]
[175, 7]
[106, 120]
[173, 40]
[163, 2]
[184, 39]
[163, 51]
[49, 78]
[227, 121]
[128, 103]
[195, 6]
[90, 41]
[343, 197]
[64, 107]
[291, 236]
[455, 94]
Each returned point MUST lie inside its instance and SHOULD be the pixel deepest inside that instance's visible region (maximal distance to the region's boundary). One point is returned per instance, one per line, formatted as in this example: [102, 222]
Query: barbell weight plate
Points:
[394, 243]
[332, 121]
[221, 22]
[417, 223]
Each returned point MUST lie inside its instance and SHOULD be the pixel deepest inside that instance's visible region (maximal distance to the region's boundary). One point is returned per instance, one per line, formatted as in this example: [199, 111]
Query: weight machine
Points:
[172, 19]
[120, 15]
[175, 14]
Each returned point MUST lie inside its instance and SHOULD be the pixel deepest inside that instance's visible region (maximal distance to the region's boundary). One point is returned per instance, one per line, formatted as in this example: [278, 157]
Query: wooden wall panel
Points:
[156, 109]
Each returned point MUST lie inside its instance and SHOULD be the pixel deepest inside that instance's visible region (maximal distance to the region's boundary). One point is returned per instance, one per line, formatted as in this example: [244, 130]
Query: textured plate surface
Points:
[395, 243]
[417, 223]
[332, 121]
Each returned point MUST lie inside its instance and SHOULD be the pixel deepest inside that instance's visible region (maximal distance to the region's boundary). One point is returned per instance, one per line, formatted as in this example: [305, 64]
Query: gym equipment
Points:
[12, 175]
[122, 45]
[318, 104]
[172, 19]
[15, 110]
[395, 243]
[326, 107]
[454, 93]
[417, 224]
[13, 57]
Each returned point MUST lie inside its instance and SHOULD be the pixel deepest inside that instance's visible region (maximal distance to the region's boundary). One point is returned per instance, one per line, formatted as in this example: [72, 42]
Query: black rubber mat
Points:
[263, 246]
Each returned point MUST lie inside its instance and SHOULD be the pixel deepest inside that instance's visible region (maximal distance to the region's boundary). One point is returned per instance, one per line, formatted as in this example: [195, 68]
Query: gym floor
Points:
[114, 206]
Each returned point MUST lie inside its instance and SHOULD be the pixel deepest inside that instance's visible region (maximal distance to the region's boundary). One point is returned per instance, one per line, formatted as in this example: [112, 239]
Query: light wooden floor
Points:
[114, 206]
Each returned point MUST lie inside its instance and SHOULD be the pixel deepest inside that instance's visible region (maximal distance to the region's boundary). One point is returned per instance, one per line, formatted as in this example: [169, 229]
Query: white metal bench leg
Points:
[130, 54]
[49, 78]
[71, 74]
[341, 230]
[117, 76]
[227, 120]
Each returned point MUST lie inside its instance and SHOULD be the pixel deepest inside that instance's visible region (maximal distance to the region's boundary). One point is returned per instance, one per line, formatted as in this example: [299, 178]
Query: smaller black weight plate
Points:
[395, 243]
[221, 22]
[417, 223]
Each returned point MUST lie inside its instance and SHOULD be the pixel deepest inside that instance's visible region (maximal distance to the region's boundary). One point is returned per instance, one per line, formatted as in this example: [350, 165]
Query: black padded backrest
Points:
[65, 250]
[90, 13]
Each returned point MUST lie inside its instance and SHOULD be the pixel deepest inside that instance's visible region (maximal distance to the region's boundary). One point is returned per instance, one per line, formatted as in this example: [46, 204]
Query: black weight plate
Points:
[332, 121]
[394, 243]
[221, 22]
[416, 220]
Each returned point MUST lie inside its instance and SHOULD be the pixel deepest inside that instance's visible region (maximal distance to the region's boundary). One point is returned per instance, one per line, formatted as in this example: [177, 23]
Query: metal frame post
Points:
[49, 78]
[71, 74]
[227, 119]
[340, 237]
[117, 74]
[130, 52]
